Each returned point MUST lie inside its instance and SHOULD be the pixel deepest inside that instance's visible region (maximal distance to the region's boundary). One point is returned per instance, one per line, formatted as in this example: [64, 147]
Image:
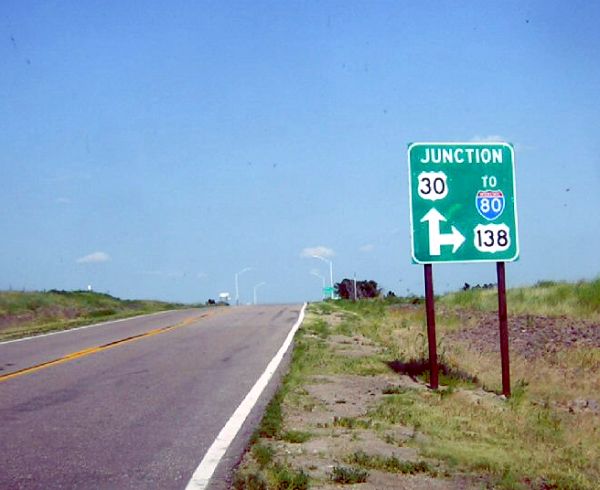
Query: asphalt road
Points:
[134, 414]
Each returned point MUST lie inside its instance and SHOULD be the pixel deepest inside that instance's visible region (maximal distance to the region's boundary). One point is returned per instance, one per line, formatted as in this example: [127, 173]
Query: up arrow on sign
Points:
[436, 238]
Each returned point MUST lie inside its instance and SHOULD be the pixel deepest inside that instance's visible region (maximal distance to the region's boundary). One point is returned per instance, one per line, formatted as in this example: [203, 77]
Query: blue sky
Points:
[154, 149]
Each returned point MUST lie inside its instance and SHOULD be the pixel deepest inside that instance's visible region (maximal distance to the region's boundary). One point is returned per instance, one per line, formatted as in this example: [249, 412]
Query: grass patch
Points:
[284, 478]
[249, 481]
[318, 327]
[296, 436]
[509, 441]
[584, 359]
[394, 390]
[323, 308]
[348, 476]
[276, 477]
[32, 313]
[272, 422]
[578, 300]
[390, 464]
[101, 313]
[351, 423]
[263, 454]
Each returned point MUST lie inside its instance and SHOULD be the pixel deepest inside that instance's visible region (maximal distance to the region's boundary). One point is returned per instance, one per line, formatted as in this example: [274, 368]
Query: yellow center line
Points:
[92, 350]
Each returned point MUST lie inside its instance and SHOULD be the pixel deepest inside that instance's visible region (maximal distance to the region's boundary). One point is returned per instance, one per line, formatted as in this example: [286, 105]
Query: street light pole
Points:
[330, 270]
[315, 273]
[256, 286]
[237, 288]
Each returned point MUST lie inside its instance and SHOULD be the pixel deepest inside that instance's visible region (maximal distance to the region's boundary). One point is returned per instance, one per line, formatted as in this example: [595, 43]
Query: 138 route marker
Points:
[463, 209]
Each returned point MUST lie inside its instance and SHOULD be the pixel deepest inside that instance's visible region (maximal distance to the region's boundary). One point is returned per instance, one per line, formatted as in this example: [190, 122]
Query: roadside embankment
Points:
[33, 313]
[355, 407]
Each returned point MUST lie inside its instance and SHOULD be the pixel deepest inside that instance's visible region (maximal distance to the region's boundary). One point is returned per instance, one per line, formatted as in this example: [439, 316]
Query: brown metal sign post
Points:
[503, 322]
[430, 309]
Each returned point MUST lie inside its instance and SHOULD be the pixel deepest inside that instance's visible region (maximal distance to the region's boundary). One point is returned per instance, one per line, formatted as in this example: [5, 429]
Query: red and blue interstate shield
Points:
[490, 204]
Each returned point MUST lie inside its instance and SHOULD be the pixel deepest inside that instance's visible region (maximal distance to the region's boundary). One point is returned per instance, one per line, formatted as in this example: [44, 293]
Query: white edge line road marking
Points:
[203, 473]
[85, 326]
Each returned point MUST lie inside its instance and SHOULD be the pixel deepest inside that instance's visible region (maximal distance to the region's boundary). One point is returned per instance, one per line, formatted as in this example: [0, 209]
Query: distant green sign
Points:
[328, 290]
[462, 202]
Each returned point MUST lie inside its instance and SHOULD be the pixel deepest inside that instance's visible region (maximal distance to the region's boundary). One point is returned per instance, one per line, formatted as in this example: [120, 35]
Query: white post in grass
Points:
[316, 273]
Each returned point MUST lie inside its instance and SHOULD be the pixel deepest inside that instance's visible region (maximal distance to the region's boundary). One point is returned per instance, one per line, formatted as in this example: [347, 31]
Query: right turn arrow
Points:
[437, 239]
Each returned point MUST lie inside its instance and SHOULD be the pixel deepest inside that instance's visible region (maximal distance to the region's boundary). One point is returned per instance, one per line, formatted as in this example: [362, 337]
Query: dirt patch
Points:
[335, 414]
[347, 396]
[329, 448]
[334, 400]
[530, 336]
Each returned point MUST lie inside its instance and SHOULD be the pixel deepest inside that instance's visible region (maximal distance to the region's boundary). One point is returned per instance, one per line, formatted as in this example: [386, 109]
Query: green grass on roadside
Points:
[263, 454]
[271, 425]
[32, 313]
[526, 442]
[276, 477]
[578, 300]
[514, 442]
[296, 436]
[390, 464]
[345, 475]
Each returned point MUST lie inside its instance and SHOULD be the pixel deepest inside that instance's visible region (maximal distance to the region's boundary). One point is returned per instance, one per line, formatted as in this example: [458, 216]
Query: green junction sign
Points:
[462, 202]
